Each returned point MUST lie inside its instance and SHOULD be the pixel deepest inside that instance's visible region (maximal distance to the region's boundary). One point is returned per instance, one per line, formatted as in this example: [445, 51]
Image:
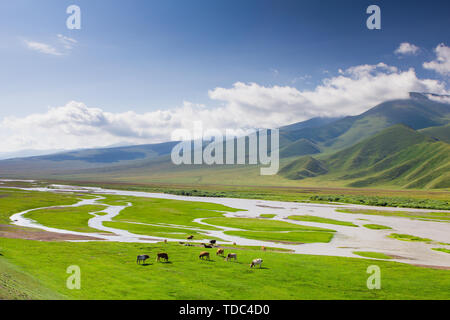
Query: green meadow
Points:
[309, 218]
[163, 211]
[33, 269]
[73, 219]
[285, 237]
[377, 227]
[109, 271]
[254, 224]
[14, 201]
[439, 216]
[158, 231]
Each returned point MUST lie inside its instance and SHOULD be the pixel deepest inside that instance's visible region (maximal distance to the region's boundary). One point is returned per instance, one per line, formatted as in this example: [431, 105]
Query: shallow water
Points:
[346, 240]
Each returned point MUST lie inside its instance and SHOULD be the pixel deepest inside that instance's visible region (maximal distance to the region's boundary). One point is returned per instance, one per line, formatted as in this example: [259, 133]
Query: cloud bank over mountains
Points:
[442, 62]
[242, 106]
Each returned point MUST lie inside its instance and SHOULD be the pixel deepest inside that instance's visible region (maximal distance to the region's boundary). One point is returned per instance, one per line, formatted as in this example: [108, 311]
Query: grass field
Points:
[442, 250]
[285, 237]
[154, 211]
[109, 271]
[37, 269]
[14, 201]
[309, 218]
[408, 237]
[261, 225]
[74, 219]
[268, 215]
[441, 216]
[158, 231]
[377, 227]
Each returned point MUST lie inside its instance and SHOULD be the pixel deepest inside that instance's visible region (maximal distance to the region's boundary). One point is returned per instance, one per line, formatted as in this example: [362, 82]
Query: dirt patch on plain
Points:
[286, 242]
[393, 256]
[265, 206]
[12, 232]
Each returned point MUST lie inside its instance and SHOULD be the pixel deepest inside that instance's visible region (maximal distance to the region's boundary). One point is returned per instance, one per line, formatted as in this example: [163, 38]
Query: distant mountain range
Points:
[398, 143]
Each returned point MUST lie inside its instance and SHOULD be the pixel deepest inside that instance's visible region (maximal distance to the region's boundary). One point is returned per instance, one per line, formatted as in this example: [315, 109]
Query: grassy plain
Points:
[73, 218]
[109, 271]
[309, 218]
[441, 216]
[377, 227]
[37, 270]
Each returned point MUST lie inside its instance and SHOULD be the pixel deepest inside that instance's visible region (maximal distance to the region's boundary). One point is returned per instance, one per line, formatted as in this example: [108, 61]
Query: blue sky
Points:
[144, 56]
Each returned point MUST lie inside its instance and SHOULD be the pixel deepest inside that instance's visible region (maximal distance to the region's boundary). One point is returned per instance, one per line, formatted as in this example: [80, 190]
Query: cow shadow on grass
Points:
[165, 262]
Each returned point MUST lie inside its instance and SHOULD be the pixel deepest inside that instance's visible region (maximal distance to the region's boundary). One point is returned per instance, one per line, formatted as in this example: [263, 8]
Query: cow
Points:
[263, 248]
[190, 237]
[142, 257]
[212, 242]
[163, 256]
[231, 256]
[207, 246]
[204, 254]
[220, 252]
[255, 262]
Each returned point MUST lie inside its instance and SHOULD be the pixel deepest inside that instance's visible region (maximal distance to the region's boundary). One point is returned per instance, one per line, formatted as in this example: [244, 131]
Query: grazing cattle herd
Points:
[203, 255]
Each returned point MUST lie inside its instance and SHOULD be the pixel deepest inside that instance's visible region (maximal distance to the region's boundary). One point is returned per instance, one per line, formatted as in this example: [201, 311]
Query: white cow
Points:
[255, 262]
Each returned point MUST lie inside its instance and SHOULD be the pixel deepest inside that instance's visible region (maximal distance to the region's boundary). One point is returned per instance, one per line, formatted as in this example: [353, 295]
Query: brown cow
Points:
[263, 248]
[231, 256]
[163, 256]
[190, 237]
[220, 252]
[203, 255]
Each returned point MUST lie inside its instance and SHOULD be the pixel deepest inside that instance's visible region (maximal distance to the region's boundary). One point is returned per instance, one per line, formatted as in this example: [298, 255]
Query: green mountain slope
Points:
[418, 112]
[441, 133]
[299, 148]
[397, 156]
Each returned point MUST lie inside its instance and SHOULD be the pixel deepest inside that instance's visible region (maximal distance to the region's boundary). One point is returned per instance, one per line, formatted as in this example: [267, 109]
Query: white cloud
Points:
[442, 62]
[67, 42]
[62, 46]
[243, 106]
[406, 48]
[42, 47]
[441, 99]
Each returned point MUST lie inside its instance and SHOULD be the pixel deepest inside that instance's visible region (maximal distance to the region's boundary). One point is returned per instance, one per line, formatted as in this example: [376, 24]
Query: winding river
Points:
[346, 240]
